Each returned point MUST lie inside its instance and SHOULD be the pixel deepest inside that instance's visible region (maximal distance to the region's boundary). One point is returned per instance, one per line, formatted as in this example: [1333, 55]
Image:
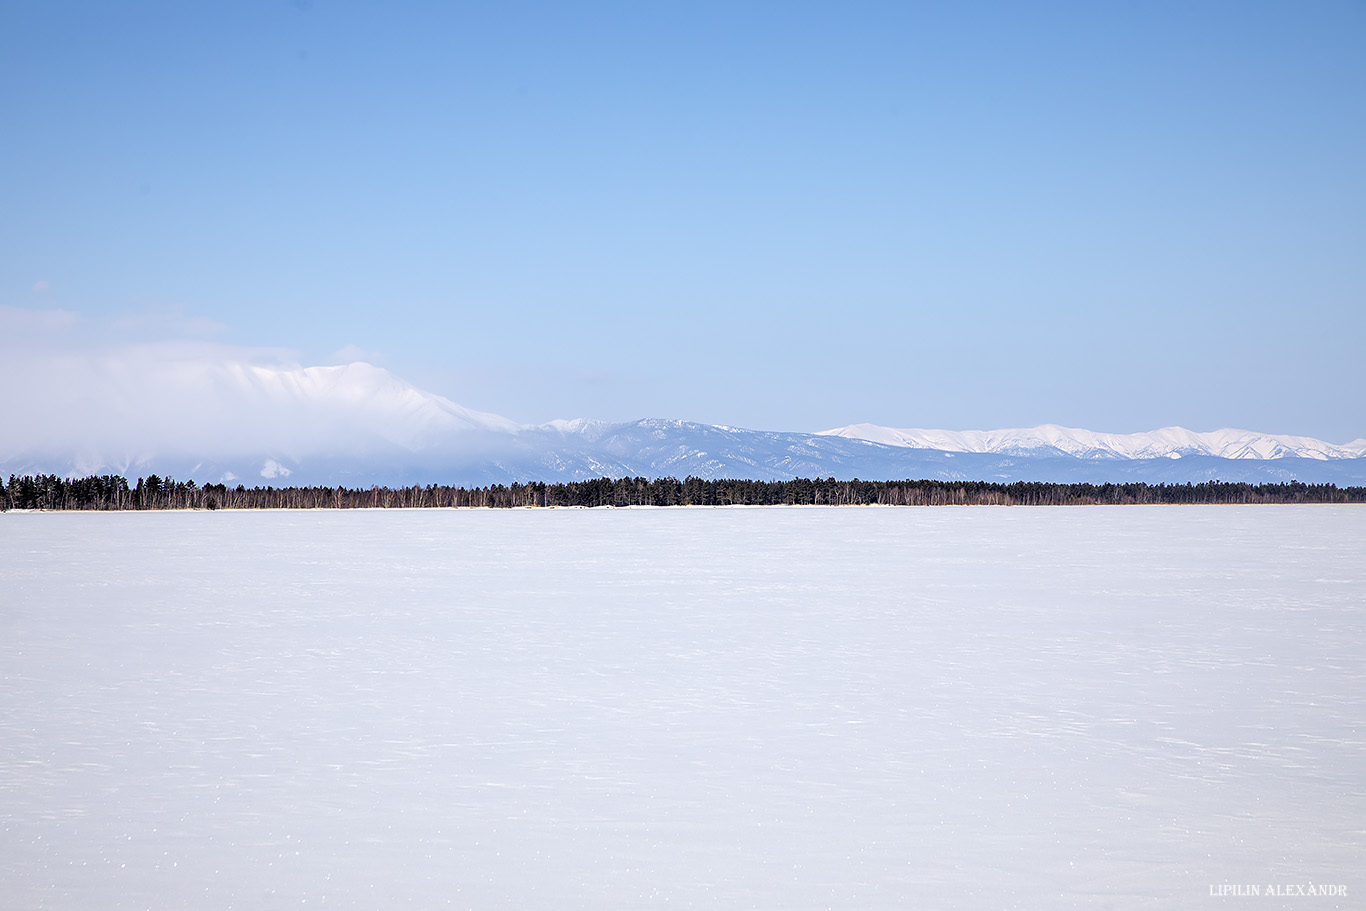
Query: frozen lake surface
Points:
[702, 708]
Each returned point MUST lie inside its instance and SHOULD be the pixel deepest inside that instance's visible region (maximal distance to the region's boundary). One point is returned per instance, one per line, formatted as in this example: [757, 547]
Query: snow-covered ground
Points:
[699, 708]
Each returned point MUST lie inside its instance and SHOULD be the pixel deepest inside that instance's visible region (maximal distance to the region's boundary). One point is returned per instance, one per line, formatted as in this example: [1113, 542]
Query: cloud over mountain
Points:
[114, 408]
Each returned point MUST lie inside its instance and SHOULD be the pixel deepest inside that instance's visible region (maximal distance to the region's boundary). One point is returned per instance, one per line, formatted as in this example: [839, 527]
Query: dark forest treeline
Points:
[114, 492]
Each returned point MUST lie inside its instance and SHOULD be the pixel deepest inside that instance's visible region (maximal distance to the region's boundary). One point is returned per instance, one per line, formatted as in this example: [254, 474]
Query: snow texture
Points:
[699, 708]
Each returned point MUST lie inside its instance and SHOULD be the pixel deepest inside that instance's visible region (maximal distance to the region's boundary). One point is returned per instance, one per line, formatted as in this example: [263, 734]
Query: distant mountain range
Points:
[359, 425]
[1050, 439]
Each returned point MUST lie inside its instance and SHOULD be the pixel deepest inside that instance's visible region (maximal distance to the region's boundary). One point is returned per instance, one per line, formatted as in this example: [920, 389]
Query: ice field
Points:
[782, 708]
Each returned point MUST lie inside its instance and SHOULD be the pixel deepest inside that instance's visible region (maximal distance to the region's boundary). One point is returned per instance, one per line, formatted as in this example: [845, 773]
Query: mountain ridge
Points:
[1165, 442]
[358, 424]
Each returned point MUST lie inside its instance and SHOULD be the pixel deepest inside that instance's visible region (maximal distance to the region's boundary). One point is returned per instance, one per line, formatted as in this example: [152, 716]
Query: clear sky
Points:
[784, 216]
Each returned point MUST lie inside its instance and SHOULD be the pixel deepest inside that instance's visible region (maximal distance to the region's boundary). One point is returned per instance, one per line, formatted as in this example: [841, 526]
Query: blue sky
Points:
[774, 215]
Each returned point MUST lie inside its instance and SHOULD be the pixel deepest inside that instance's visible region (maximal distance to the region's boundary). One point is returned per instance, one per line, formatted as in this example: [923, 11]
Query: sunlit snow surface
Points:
[707, 708]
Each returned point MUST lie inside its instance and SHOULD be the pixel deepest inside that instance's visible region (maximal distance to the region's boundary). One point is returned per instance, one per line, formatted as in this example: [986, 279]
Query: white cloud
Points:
[115, 403]
[352, 354]
[273, 469]
[129, 400]
[20, 327]
[160, 320]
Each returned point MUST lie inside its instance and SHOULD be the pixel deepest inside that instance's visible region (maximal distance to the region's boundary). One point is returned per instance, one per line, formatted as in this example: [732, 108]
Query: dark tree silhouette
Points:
[110, 492]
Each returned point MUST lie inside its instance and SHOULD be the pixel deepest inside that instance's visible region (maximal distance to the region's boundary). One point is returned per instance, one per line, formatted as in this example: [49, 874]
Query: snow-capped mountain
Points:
[1052, 440]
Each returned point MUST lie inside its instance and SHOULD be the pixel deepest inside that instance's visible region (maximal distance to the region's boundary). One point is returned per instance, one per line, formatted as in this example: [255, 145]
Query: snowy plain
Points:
[699, 708]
